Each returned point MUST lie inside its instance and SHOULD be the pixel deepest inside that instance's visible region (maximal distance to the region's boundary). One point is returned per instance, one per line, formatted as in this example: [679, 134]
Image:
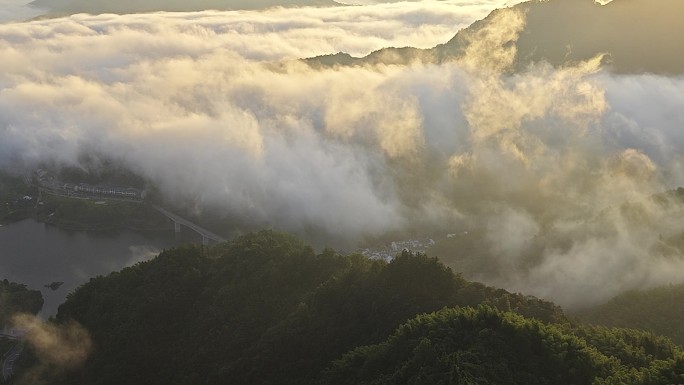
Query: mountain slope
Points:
[638, 35]
[263, 309]
[660, 310]
[485, 346]
[635, 35]
[17, 298]
[266, 309]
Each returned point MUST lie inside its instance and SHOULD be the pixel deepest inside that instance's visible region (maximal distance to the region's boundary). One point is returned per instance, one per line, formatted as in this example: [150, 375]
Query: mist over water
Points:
[555, 167]
[36, 254]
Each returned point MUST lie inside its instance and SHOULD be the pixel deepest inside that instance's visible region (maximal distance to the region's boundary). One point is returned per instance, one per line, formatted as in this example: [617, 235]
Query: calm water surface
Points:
[36, 254]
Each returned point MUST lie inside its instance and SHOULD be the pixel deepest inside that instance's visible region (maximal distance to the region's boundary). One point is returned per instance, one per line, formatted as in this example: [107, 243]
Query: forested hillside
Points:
[660, 310]
[266, 309]
[253, 309]
[628, 32]
[17, 298]
[486, 346]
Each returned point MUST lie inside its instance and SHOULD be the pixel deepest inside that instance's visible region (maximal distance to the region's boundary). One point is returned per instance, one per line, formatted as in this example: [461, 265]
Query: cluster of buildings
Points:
[388, 252]
[114, 192]
[83, 190]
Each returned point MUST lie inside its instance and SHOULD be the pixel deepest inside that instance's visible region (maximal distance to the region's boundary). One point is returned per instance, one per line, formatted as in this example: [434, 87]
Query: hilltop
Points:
[266, 309]
[636, 36]
[659, 310]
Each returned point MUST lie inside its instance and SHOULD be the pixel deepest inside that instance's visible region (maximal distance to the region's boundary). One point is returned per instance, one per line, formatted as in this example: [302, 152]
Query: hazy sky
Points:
[17, 10]
[211, 107]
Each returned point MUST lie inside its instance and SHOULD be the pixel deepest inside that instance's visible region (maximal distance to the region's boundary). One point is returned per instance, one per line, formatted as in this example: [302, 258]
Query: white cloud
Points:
[57, 347]
[17, 10]
[561, 162]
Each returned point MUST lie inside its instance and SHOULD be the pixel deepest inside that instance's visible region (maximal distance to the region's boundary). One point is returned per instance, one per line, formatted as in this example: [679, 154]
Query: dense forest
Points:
[660, 310]
[20, 199]
[487, 346]
[82, 214]
[266, 309]
[17, 298]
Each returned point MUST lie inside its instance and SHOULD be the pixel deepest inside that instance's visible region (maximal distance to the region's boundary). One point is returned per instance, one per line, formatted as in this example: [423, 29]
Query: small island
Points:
[54, 285]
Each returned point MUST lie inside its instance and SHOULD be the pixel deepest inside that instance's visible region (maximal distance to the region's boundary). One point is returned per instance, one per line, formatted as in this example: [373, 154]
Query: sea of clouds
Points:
[556, 167]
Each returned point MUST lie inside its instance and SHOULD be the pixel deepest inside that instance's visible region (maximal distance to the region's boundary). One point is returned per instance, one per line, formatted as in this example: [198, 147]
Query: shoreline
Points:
[69, 225]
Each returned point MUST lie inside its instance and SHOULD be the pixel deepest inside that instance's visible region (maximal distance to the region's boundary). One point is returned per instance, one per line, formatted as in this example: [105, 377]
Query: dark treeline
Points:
[17, 298]
[487, 346]
[266, 309]
[660, 310]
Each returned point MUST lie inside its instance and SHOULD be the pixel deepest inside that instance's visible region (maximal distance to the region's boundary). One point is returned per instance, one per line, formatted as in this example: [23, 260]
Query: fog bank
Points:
[554, 168]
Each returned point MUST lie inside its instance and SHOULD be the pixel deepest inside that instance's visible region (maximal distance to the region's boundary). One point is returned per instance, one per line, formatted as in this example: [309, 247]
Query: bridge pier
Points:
[205, 240]
[176, 227]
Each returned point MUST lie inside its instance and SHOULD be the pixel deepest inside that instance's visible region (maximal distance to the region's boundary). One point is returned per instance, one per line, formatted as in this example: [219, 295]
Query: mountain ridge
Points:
[635, 36]
[664, 306]
[266, 309]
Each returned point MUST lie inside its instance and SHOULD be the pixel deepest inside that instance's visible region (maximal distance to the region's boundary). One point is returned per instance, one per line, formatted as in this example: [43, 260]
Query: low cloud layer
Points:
[555, 168]
[17, 10]
[57, 348]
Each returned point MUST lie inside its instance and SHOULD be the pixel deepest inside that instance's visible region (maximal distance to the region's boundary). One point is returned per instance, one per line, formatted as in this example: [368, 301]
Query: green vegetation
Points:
[252, 309]
[79, 214]
[96, 171]
[13, 206]
[471, 252]
[266, 309]
[16, 298]
[84, 214]
[486, 346]
[26, 361]
[6, 344]
[467, 252]
[659, 310]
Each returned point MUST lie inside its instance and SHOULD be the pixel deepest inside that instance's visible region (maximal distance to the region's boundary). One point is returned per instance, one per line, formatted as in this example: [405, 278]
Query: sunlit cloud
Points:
[57, 347]
[17, 10]
[555, 166]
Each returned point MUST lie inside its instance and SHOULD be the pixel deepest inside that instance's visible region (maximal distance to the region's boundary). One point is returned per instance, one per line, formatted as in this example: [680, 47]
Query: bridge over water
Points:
[178, 221]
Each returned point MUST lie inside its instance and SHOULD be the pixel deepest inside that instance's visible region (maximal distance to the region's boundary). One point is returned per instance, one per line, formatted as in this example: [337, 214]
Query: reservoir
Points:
[37, 254]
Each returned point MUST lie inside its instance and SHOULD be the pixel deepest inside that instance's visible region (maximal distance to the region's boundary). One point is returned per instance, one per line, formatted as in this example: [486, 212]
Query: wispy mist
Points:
[17, 10]
[555, 167]
[56, 347]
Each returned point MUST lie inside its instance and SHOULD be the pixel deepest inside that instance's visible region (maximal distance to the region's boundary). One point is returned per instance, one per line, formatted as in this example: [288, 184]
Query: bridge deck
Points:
[201, 230]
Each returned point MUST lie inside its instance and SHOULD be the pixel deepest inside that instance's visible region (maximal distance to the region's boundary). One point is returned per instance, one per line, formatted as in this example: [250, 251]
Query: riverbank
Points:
[17, 199]
[42, 197]
[85, 214]
[37, 254]
[99, 214]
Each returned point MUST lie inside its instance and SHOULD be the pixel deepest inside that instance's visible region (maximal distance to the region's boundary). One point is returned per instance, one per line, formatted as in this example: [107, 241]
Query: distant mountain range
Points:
[636, 35]
[58, 8]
